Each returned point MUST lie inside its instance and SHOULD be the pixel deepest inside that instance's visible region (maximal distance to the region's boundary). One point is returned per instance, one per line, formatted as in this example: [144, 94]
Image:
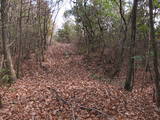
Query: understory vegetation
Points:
[119, 34]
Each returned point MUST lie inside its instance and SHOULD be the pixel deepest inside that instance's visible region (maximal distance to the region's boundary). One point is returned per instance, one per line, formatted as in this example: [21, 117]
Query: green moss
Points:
[5, 77]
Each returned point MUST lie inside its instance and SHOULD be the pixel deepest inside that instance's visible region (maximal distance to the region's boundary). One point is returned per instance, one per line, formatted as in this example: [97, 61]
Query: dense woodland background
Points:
[119, 33]
[116, 41]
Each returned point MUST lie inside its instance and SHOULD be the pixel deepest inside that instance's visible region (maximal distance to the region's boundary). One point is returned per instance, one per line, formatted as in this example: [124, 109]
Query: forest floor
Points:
[65, 90]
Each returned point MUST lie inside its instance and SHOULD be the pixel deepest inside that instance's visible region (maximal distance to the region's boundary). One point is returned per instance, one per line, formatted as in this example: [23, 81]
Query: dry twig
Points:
[59, 98]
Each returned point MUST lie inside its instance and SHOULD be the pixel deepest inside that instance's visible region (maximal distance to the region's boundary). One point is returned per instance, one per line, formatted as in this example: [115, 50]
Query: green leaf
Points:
[138, 58]
[144, 28]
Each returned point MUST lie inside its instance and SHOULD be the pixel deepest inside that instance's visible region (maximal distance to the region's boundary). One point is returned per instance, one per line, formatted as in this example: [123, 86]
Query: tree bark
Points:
[6, 50]
[20, 41]
[130, 74]
[155, 56]
[120, 57]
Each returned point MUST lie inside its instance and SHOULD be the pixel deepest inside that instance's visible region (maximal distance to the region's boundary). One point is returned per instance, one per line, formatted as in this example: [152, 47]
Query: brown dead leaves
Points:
[80, 96]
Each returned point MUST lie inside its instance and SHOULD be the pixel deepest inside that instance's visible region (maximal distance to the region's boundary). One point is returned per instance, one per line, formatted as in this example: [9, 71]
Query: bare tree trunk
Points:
[121, 54]
[155, 55]
[51, 37]
[6, 50]
[20, 40]
[40, 42]
[130, 73]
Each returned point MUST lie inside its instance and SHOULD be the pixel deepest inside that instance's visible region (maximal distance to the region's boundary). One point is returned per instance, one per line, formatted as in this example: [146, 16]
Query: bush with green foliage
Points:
[67, 33]
[5, 78]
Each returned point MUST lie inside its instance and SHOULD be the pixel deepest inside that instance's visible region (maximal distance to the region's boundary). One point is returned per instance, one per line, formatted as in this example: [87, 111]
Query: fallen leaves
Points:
[80, 96]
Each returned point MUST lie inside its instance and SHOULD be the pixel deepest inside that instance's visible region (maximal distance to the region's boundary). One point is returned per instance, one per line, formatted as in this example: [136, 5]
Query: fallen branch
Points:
[58, 97]
[64, 102]
[79, 106]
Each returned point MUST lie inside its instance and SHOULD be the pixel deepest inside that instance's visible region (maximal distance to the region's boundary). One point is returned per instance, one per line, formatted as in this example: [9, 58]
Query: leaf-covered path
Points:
[64, 90]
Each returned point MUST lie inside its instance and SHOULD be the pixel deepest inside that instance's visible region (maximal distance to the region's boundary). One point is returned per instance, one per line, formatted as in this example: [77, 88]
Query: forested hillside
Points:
[101, 64]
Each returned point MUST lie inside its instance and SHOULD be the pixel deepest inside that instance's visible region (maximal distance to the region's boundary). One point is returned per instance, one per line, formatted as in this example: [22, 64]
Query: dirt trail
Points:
[64, 90]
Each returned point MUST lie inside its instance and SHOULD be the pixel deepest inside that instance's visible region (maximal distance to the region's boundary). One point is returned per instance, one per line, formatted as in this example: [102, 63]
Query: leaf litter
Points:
[63, 89]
